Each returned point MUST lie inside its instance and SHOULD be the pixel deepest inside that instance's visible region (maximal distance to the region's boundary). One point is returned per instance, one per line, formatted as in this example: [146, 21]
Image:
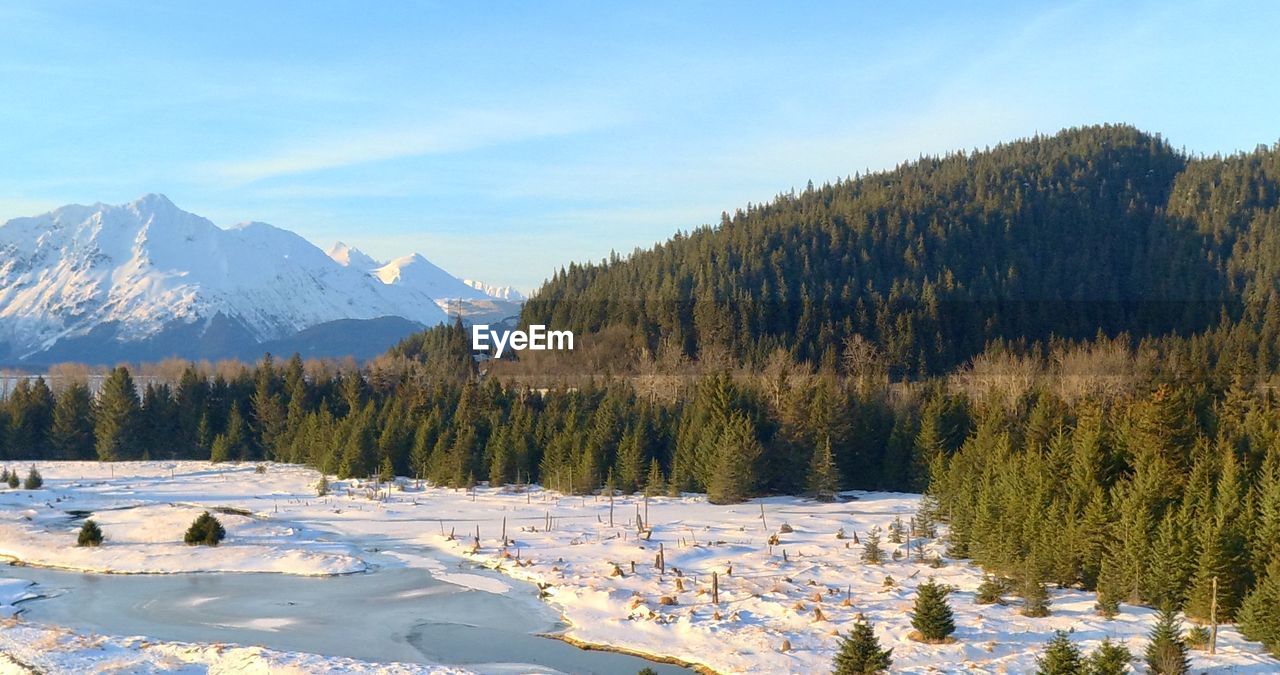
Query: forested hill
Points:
[1098, 228]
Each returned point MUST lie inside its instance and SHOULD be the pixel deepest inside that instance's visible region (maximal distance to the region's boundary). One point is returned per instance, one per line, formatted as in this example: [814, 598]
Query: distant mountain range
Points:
[146, 280]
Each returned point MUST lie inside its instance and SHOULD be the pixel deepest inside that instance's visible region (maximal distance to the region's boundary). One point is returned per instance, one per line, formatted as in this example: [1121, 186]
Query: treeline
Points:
[731, 436]
[1097, 229]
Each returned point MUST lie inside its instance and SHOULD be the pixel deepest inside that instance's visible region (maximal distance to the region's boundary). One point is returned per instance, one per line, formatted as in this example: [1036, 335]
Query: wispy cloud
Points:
[456, 132]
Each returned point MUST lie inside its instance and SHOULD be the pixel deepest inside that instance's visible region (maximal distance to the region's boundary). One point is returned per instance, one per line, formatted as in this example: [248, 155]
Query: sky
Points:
[504, 140]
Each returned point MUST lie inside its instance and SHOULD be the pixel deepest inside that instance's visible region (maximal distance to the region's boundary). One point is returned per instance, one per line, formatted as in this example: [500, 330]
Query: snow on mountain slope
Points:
[415, 272]
[140, 267]
[496, 292]
[349, 256]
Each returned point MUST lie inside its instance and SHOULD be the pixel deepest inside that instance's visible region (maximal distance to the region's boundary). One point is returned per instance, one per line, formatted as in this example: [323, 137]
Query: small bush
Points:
[990, 591]
[90, 534]
[205, 530]
[1198, 637]
[12, 480]
[322, 488]
[1035, 599]
[34, 480]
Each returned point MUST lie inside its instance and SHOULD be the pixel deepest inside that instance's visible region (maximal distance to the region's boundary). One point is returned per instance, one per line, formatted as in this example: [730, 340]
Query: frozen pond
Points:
[393, 614]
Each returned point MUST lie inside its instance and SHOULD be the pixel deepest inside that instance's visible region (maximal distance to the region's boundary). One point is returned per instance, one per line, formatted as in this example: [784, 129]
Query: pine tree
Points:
[990, 591]
[932, 617]
[1110, 658]
[90, 534]
[1035, 598]
[34, 480]
[630, 465]
[871, 552]
[117, 415]
[736, 453]
[896, 530]
[1061, 658]
[220, 451]
[205, 530]
[71, 434]
[655, 483]
[1260, 612]
[1167, 650]
[859, 652]
[386, 472]
[824, 480]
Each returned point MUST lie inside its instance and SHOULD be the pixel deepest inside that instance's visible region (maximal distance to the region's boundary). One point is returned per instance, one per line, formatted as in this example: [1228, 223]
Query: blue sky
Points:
[503, 140]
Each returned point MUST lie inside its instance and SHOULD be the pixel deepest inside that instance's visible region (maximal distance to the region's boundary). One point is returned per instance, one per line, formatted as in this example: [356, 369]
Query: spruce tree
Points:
[71, 434]
[1062, 657]
[116, 417]
[824, 480]
[205, 530]
[1035, 598]
[896, 530]
[386, 472]
[871, 552]
[932, 617]
[1110, 658]
[1260, 612]
[655, 482]
[13, 480]
[1167, 651]
[859, 652]
[990, 591]
[34, 480]
[90, 534]
[220, 450]
[736, 452]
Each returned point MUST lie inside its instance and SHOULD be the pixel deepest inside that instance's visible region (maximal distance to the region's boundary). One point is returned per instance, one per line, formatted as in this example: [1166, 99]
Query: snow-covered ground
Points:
[35, 648]
[768, 594]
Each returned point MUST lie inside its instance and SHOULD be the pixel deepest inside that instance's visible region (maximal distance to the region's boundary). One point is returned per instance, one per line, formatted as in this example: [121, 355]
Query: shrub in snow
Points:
[34, 480]
[1198, 637]
[90, 534]
[932, 618]
[989, 591]
[205, 530]
[322, 488]
[860, 652]
[12, 480]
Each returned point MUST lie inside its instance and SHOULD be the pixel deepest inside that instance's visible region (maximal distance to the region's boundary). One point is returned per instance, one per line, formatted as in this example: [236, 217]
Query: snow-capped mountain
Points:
[354, 258]
[99, 279]
[419, 274]
[498, 292]
[471, 300]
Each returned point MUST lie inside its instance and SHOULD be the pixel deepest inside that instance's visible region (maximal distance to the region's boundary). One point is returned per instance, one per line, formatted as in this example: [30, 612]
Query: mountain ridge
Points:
[106, 278]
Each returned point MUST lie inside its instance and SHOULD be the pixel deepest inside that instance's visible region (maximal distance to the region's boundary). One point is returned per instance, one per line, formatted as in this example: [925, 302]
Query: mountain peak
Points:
[349, 256]
[152, 201]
